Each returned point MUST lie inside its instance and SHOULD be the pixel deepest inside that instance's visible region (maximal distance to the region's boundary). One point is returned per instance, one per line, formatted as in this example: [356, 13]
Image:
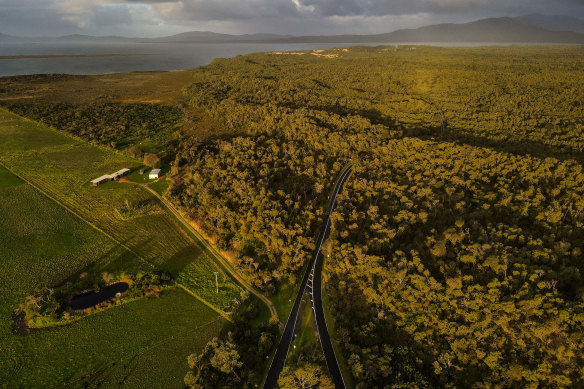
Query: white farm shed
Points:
[101, 180]
[120, 173]
[154, 173]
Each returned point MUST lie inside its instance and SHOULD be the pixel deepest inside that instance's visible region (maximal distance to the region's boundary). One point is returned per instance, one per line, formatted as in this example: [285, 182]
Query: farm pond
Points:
[90, 299]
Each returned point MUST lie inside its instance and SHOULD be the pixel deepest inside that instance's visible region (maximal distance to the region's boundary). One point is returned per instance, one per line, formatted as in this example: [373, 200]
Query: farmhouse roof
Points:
[102, 178]
[121, 172]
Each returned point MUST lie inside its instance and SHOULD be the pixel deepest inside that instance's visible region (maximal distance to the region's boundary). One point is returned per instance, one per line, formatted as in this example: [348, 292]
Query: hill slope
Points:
[212, 37]
[553, 22]
[526, 29]
[504, 30]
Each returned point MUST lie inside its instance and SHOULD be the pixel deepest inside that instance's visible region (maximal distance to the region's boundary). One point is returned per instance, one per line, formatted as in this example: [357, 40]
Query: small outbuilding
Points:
[101, 180]
[155, 173]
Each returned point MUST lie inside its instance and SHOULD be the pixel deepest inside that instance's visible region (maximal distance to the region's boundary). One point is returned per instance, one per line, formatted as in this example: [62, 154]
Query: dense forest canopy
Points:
[456, 257]
[456, 253]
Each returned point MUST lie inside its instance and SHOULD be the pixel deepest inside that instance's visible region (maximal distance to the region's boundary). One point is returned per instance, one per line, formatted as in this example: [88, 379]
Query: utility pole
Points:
[216, 282]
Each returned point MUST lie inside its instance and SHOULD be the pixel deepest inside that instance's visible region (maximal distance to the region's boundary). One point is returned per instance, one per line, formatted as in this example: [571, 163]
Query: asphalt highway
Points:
[313, 273]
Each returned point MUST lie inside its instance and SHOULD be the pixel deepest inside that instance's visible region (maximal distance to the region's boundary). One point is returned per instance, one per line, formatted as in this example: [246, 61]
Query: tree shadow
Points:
[181, 259]
[523, 147]
[388, 354]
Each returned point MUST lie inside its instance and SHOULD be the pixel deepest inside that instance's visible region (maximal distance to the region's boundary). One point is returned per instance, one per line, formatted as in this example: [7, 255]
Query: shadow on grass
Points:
[176, 264]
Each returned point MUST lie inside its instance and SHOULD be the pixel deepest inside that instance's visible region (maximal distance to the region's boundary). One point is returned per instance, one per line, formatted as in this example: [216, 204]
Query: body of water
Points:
[142, 56]
[91, 299]
[138, 56]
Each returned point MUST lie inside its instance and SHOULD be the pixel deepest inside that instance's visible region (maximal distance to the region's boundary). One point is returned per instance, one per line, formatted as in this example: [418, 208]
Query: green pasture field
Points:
[135, 175]
[160, 186]
[8, 179]
[284, 299]
[42, 243]
[307, 333]
[62, 166]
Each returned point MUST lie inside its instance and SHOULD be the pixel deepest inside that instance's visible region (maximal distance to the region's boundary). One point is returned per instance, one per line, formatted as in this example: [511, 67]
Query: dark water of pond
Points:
[90, 299]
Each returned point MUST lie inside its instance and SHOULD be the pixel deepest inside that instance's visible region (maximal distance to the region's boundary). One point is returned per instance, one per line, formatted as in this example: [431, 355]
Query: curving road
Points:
[312, 275]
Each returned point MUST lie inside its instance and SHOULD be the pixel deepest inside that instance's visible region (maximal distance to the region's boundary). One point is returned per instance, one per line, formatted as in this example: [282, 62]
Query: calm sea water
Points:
[146, 56]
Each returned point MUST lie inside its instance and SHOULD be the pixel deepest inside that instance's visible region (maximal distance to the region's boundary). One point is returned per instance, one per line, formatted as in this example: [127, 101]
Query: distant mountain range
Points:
[555, 23]
[205, 36]
[523, 29]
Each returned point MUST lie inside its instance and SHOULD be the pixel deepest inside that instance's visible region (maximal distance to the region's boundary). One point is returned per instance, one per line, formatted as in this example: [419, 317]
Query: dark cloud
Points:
[232, 9]
[150, 1]
[401, 7]
[28, 18]
[160, 17]
[352, 16]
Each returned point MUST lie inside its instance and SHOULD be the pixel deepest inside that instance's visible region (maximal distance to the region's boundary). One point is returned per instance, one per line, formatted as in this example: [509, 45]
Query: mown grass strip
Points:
[206, 303]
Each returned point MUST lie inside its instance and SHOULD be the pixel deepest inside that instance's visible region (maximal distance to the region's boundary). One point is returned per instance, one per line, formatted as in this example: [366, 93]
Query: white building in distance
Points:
[155, 173]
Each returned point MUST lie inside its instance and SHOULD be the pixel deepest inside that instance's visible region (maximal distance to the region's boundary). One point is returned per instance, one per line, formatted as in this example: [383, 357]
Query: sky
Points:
[152, 18]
